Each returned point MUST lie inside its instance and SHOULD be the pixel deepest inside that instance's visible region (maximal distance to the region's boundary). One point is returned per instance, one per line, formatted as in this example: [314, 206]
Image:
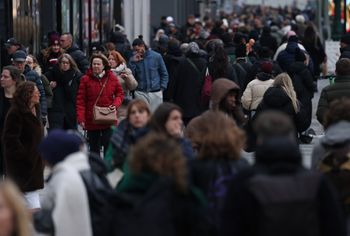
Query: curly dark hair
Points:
[158, 154]
[23, 95]
[339, 109]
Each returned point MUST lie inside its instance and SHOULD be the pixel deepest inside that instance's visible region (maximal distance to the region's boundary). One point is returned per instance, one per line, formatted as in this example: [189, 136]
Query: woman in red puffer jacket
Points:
[89, 89]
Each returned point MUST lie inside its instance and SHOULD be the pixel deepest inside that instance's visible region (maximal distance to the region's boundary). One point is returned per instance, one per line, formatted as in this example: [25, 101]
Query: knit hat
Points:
[266, 67]
[163, 41]
[54, 39]
[345, 39]
[57, 145]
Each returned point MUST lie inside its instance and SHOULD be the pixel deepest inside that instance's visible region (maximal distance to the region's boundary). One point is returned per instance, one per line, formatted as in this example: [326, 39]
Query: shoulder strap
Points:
[193, 65]
[99, 95]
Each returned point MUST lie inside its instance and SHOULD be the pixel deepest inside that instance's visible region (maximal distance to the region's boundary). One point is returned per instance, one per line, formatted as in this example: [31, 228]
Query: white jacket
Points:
[254, 93]
[66, 194]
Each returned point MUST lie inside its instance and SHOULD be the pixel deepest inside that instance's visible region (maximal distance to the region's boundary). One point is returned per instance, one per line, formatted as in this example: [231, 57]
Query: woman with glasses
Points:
[64, 82]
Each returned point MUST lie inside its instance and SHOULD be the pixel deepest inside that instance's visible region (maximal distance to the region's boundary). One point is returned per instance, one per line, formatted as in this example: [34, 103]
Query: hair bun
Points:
[140, 37]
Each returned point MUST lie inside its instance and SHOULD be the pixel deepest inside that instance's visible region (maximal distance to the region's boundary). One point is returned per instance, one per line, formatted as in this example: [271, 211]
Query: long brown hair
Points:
[14, 200]
[22, 97]
[72, 63]
[158, 154]
[215, 136]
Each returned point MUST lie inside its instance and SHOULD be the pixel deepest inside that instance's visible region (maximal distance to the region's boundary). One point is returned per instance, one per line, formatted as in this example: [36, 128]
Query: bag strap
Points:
[193, 65]
[99, 95]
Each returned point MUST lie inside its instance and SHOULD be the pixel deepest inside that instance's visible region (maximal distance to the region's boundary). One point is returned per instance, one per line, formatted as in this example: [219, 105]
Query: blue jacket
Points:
[150, 73]
[31, 75]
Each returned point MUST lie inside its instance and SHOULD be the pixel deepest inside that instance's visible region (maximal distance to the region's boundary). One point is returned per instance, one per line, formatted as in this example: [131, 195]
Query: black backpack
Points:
[288, 204]
[336, 167]
[100, 194]
[161, 211]
[218, 187]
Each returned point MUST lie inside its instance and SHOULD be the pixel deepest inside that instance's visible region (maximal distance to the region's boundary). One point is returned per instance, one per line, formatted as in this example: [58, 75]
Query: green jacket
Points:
[340, 88]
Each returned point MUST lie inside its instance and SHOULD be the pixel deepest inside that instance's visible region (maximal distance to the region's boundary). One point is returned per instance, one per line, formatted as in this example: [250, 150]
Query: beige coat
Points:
[254, 93]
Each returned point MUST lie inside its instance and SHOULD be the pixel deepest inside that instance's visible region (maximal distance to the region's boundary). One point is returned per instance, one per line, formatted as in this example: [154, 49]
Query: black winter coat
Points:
[172, 63]
[267, 40]
[304, 88]
[279, 168]
[188, 86]
[63, 110]
[22, 134]
[276, 99]
[345, 52]
[79, 57]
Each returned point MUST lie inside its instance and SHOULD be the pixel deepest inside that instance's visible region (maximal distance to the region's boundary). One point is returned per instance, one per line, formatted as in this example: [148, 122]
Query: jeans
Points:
[99, 138]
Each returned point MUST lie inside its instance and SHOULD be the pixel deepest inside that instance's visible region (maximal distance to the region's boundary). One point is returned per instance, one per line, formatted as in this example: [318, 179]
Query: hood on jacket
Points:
[263, 76]
[278, 150]
[336, 134]
[291, 47]
[297, 67]
[275, 97]
[220, 89]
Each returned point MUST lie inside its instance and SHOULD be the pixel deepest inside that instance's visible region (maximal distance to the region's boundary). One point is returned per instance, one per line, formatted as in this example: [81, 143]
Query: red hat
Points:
[266, 67]
[54, 39]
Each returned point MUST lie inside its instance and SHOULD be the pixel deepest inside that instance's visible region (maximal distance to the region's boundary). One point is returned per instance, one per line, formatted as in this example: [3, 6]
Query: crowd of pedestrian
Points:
[174, 119]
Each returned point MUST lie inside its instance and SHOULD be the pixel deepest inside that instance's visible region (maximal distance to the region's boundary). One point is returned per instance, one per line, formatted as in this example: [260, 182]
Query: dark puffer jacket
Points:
[275, 98]
[287, 57]
[89, 89]
[341, 88]
[304, 88]
[79, 57]
[33, 76]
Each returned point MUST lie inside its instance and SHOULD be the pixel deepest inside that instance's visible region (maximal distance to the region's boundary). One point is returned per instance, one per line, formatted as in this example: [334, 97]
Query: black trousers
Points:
[98, 139]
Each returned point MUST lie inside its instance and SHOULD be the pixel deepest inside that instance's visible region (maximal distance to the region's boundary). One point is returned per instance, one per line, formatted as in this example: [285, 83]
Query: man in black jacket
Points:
[66, 42]
[277, 196]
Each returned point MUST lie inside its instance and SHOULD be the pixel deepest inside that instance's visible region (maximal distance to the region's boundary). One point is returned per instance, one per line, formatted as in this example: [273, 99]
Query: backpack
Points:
[149, 214]
[218, 187]
[206, 88]
[288, 204]
[336, 167]
[100, 195]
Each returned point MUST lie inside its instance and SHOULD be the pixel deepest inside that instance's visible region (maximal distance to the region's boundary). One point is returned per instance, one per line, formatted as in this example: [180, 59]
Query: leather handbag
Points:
[104, 115]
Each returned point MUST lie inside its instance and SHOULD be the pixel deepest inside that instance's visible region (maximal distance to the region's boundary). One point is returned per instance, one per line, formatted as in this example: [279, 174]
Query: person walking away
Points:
[339, 89]
[277, 196]
[22, 134]
[65, 200]
[188, 83]
[214, 168]
[100, 87]
[150, 72]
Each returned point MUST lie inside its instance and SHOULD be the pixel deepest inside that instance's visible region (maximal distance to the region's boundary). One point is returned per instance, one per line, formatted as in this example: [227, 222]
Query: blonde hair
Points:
[283, 80]
[14, 200]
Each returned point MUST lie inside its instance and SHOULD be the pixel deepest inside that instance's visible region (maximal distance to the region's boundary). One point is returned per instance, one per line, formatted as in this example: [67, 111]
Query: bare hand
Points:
[53, 84]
